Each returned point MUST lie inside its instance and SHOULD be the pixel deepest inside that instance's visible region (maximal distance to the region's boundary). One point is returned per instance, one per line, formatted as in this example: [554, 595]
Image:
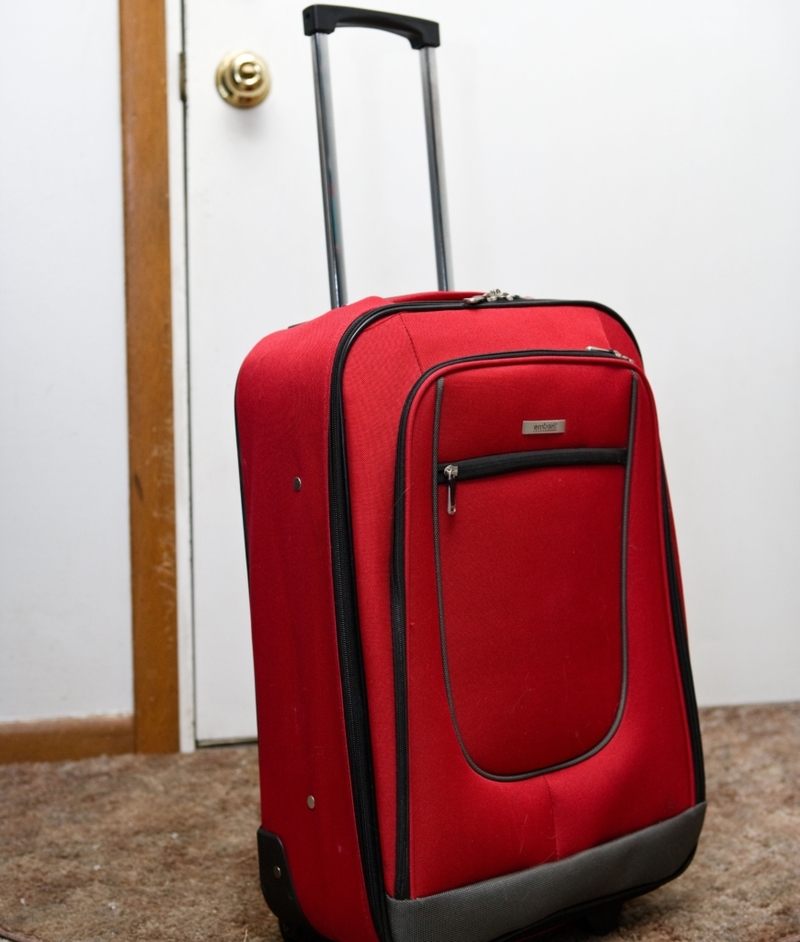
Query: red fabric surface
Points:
[446, 335]
[484, 417]
[466, 828]
[532, 688]
[619, 339]
[383, 364]
[375, 382]
[645, 773]
[284, 388]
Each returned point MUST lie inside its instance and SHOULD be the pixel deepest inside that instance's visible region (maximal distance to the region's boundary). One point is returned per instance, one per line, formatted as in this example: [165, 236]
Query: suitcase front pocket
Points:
[530, 572]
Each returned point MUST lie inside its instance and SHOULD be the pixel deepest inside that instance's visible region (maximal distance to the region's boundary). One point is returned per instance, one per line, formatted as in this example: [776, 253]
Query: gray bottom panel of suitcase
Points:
[504, 905]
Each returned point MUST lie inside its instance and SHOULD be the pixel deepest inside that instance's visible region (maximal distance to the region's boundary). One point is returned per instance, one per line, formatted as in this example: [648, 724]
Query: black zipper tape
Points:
[351, 666]
[490, 465]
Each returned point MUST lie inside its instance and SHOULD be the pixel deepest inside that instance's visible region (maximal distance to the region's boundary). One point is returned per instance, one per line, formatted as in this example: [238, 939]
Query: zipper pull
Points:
[451, 473]
[616, 353]
[494, 295]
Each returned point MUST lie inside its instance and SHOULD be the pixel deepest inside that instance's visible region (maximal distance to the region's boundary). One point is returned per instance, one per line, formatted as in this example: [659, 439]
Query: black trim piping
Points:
[351, 665]
[682, 645]
[241, 483]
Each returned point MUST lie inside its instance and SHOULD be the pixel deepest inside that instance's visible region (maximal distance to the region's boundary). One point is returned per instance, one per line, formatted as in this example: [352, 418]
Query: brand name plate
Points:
[544, 427]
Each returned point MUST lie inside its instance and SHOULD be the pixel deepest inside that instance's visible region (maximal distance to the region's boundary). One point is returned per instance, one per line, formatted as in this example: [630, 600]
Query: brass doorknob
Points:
[243, 79]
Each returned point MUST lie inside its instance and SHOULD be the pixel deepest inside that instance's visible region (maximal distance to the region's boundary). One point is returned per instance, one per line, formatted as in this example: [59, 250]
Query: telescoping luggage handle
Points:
[318, 21]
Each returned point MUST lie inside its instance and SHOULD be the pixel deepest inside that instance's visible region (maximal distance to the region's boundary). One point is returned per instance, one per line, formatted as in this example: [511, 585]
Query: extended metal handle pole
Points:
[441, 229]
[330, 176]
[423, 35]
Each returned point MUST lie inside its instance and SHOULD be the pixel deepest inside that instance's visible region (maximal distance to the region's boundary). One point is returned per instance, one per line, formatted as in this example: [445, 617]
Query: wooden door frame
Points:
[163, 717]
[148, 303]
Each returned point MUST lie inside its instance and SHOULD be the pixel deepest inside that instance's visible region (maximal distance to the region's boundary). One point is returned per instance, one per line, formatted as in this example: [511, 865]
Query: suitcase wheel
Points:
[602, 919]
[290, 932]
[297, 932]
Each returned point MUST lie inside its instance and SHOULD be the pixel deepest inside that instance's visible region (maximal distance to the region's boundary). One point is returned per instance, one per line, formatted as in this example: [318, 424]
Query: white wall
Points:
[646, 155]
[65, 621]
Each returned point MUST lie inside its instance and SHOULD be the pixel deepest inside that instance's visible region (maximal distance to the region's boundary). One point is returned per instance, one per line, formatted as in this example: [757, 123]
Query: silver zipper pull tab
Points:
[451, 473]
[616, 353]
[494, 295]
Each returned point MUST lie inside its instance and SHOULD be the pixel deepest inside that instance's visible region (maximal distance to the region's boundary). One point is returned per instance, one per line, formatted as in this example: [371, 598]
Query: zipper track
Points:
[351, 665]
[470, 469]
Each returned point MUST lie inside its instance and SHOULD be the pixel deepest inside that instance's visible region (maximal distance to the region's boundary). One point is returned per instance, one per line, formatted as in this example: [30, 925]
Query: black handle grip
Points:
[322, 18]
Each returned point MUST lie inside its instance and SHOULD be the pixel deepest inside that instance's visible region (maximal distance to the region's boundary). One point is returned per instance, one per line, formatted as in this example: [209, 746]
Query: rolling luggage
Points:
[475, 704]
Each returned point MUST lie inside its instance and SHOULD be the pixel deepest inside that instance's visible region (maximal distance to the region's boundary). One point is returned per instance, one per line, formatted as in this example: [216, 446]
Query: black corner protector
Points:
[278, 890]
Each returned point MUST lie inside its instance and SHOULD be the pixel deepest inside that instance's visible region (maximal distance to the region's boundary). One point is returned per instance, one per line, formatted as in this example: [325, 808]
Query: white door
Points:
[643, 155]
[256, 263]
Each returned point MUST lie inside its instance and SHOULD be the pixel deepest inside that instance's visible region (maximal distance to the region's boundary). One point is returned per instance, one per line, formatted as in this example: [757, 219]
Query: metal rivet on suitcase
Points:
[310, 801]
[297, 484]
[276, 872]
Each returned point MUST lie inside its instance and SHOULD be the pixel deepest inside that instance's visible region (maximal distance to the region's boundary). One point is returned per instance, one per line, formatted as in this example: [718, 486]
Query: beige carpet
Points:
[163, 848]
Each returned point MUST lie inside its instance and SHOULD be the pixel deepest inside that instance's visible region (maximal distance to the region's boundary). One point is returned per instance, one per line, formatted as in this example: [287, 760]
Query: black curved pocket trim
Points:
[628, 464]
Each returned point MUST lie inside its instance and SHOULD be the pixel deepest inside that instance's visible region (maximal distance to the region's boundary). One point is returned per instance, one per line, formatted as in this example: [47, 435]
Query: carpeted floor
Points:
[163, 848]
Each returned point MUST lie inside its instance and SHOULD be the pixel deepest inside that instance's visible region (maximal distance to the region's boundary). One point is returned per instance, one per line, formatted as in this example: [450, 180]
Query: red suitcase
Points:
[475, 704]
